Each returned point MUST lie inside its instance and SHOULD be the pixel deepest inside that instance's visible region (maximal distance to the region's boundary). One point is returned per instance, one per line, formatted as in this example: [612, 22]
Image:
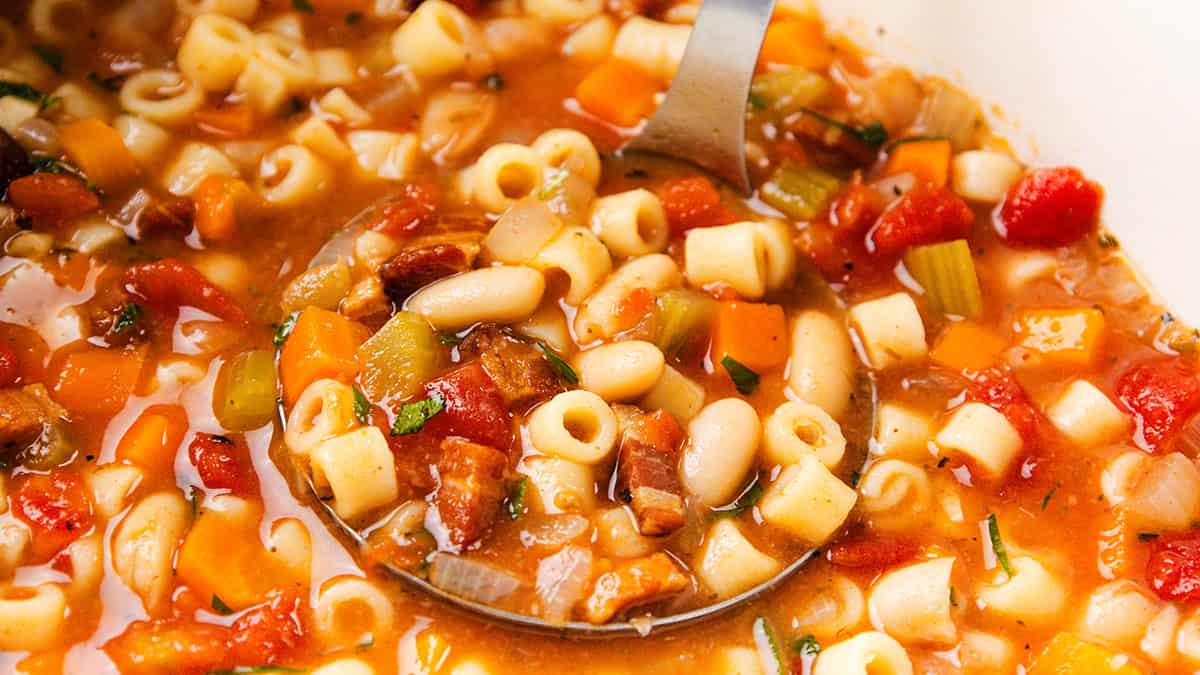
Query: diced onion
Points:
[521, 232]
[470, 579]
[562, 580]
[554, 530]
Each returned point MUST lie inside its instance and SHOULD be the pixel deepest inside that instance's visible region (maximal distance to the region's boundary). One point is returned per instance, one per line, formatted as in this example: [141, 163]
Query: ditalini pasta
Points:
[297, 296]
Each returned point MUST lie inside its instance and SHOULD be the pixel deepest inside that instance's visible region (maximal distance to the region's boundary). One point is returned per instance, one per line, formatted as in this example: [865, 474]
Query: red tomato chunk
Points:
[10, 366]
[413, 209]
[1050, 207]
[56, 507]
[1162, 394]
[174, 646]
[924, 215]
[1173, 570]
[871, 553]
[269, 633]
[223, 464]
[1003, 393]
[168, 284]
[693, 202]
[49, 199]
[474, 407]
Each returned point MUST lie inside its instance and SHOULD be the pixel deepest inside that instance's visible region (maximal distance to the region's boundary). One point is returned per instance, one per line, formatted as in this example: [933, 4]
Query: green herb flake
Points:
[554, 185]
[284, 329]
[998, 544]
[494, 81]
[872, 134]
[756, 102]
[194, 494]
[915, 139]
[767, 644]
[354, 18]
[129, 315]
[449, 339]
[744, 379]
[411, 417]
[303, 6]
[220, 607]
[362, 407]
[1147, 536]
[855, 477]
[28, 93]
[744, 502]
[807, 645]
[953, 598]
[561, 368]
[47, 164]
[51, 56]
[516, 497]
[1048, 497]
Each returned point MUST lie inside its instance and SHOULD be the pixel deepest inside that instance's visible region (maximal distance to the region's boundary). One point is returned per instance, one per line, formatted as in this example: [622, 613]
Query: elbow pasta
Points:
[618, 535]
[597, 317]
[14, 544]
[1034, 594]
[358, 470]
[890, 331]
[111, 487]
[263, 87]
[569, 150]
[729, 564]
[215, 51]
[592, 41]
[505, 174]
[432, 42]
[384, 154]
[912, 603]
[835, 608]
[288, 57]
[580, 255]
[869, 653]
[896, 495]
[1166, 496]
[1118, 613]
[631, 223]
[162, 96]
[983, 436]
[901, 433]
[797, 429]
[292, 175]
[146, 141]
[620, 371]
[316, 135]
[194, 163]
[1085, 415]
[32, 618]
[675, 393]
[343, 607]
[807, 501]
[338, 104]
[574, 425]
[730, 254]
[562, 12]
[654, 46]
[561, 486]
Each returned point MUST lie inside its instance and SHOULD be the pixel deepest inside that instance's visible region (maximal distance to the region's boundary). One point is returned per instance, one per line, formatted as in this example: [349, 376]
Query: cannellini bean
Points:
[620, 371]
[722, 440]
[501, 294]
[821, 370]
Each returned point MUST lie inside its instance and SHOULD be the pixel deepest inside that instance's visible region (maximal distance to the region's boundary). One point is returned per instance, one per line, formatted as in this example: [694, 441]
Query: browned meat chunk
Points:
[647, 478]
[842, 147]
[167, 217]
[22, 419]
[518, 368]
[634, 583]
[409, 270]
[470, 490]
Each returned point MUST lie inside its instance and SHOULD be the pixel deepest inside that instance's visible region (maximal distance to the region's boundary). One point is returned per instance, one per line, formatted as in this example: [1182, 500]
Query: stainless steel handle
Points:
[703, 118]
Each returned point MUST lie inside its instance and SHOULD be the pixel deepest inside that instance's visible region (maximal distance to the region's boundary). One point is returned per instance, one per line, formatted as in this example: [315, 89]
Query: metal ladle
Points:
[702, 121]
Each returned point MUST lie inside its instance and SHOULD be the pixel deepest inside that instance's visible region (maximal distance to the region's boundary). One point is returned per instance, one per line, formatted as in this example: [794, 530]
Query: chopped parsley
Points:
[516, 497]
[285, 329]
[756, 102]
[915, 139]
[768, 647]
[807, 645]
[998, 544]
[561, 368]
[354, 18]
[48, 164]
[855, 477]
[50, 55]
[449, 339]
[1048, 497]
[362, 407]
[28, 93]
[953, 598]
[1147, 536]
[552, 186]
[744, 502]
[220, 607]
[303, 6]
[411, 417]
[129, 315]
[744, 379]
[872, 134]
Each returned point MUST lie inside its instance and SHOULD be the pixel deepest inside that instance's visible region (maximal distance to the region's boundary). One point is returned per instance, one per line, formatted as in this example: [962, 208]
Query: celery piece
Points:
[801, 193]
[682, 314]
[323, 286]
[399, 358]
[787, 91]
[947, 274]
[245, 392]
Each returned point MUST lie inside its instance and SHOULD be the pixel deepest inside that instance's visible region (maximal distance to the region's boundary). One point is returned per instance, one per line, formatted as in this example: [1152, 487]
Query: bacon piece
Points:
[647, 477]
[408, 271]
[518, 368]
[474, 407]
[470, 490]
[633, 583]
[173, 216]
[22, 419]
[871, 553]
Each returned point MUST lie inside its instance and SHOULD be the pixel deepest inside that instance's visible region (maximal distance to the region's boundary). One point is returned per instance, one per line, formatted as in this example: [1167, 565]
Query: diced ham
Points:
[470, 491]
[409, 270]
[872, 553]
[633, 583]
[22, 419]
[647, 477]
[518, 368]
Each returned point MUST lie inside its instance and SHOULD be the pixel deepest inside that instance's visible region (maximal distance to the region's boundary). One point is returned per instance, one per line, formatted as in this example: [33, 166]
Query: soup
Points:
[308, 302]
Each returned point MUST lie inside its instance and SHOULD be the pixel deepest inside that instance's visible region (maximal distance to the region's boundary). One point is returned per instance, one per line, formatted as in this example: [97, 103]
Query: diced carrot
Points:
[753, 334]
[967, 346]
[230, 120]
[152, 440]
[180, 646]
[795, 41]
[928, 160]
[98, 381]
[1068, 654]
[633, 307]
[618, 92]
[219, 200]
[246, 573]
[98, 149]
[322, 344]
[1066, 337]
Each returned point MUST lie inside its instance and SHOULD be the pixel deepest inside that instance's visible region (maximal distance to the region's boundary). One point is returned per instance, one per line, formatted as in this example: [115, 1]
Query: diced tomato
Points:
[50, 198]
[57, 508]
[414, 208]
[269, 633]
[474, 407]
[223, 463]
[692, 202]
[1162, 394]
[10, 367]
[871, 553]
[172, 646]
[1002, 392]
[855, 208]
[924, 215]
[1173, 570]
[1050, 207]
[633, 307]
[169, 284]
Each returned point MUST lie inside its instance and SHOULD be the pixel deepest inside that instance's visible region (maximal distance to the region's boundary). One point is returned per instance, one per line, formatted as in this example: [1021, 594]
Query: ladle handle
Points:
[703, 118]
